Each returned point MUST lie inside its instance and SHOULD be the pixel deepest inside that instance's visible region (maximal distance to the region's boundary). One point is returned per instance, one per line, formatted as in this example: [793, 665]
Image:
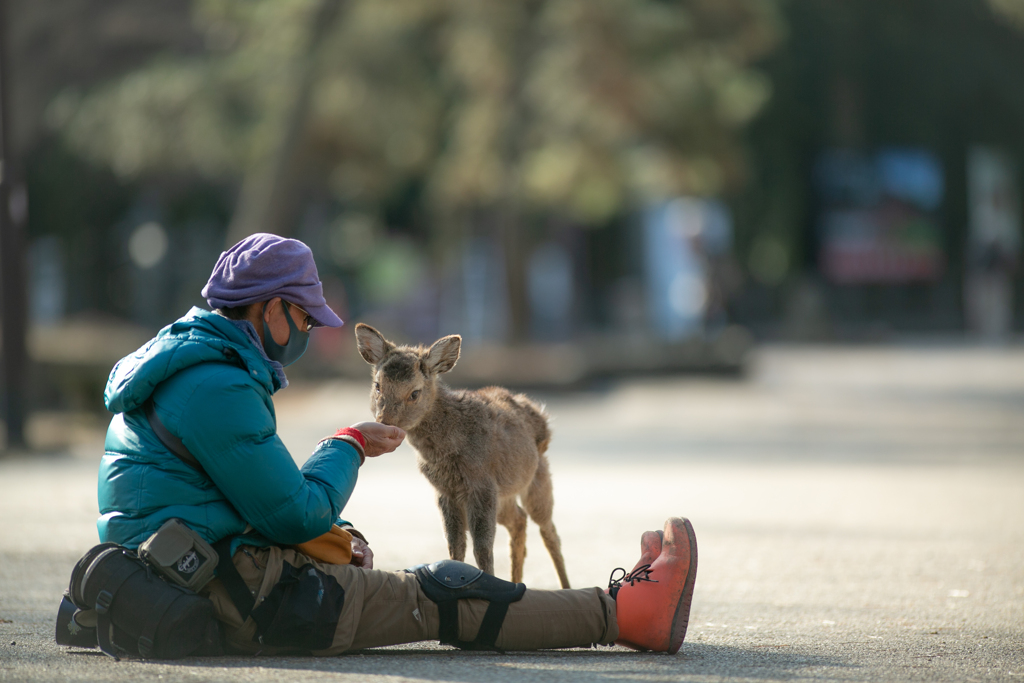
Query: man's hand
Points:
[380, 439]
[362, 556]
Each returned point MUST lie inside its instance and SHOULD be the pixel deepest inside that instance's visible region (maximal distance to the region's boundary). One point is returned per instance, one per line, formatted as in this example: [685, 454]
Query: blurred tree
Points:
[48, 46]
[864, 74]
[503, 110]
[585, 108]
[264, 199]
[66, 44]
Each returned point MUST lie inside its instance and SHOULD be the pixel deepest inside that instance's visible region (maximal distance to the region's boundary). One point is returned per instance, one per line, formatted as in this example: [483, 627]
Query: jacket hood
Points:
[199, 337]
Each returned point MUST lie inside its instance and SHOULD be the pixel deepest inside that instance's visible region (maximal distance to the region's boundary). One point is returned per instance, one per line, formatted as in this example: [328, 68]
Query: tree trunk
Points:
[512, 234]
[267, 201]
[12, 262]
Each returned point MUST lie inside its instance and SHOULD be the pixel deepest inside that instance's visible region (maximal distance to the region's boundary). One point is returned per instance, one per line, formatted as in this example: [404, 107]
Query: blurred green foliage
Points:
[1011, 9]
[581, 107]
[444, 119]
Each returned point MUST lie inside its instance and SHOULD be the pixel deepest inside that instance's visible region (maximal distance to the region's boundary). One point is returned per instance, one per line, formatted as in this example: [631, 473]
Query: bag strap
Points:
[169, 440]
[226, 570]
[104, 599]
[104, 626]
[486, 636]
[233, 583]
[146, 641]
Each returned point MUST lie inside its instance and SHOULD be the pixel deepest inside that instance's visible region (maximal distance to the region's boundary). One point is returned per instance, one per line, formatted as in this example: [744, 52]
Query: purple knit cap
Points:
[263, 266]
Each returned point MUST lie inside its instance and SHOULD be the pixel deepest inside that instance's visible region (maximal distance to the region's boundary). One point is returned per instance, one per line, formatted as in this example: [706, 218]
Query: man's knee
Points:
[449, 581]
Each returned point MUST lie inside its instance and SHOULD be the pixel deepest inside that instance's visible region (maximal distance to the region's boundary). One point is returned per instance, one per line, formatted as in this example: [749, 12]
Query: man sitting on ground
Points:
[201, 391]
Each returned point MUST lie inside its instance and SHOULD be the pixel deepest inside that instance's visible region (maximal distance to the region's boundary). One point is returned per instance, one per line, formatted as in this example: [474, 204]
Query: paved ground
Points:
[859, 512]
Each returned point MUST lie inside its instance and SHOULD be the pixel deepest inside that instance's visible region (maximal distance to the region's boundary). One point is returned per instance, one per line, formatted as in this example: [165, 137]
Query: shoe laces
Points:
[641, 573]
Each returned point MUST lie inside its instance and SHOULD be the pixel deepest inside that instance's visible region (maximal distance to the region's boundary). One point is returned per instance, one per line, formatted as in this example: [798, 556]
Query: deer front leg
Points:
[481, 508]
[453, 515]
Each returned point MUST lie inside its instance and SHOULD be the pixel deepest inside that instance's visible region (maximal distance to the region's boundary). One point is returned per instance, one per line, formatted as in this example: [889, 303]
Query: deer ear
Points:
[371, 344]
[443, 354]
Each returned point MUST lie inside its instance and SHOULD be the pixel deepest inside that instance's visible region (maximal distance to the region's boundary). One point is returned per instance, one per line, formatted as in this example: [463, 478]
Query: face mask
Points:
[297, 340]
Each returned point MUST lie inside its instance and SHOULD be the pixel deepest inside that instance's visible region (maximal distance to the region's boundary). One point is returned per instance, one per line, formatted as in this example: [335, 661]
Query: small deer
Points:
[479, 449]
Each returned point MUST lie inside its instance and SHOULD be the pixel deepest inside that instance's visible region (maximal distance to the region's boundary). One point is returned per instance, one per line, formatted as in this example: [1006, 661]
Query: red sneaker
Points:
[653, 601]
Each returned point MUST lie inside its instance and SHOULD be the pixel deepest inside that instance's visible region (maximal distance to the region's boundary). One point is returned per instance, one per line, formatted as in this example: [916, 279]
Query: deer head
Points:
[404, 378]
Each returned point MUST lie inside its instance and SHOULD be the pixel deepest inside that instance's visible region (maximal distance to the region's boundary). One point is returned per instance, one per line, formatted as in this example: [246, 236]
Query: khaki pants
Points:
[387, 608]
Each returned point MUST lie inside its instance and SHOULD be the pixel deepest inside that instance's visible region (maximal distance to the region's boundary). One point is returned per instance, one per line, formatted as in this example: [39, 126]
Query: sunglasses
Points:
[308, 322]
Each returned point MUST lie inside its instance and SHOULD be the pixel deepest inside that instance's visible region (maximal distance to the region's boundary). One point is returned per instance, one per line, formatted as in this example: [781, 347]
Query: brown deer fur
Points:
[479, 449]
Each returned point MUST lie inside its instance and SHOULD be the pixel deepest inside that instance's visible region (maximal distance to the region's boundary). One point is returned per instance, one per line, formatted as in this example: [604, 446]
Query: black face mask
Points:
[296, 345]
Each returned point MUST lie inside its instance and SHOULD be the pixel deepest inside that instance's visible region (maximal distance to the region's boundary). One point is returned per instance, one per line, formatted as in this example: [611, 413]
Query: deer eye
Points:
[376, 387]
[415, 395]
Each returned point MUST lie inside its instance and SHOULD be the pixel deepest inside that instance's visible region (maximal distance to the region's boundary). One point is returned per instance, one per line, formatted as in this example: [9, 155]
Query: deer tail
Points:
[538, 420]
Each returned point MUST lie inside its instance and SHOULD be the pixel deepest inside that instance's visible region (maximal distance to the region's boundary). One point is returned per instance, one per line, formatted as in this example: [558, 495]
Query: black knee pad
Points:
[448, 581]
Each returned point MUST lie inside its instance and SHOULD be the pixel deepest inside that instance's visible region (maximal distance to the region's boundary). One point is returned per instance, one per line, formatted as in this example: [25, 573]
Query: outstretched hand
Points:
[380, 438]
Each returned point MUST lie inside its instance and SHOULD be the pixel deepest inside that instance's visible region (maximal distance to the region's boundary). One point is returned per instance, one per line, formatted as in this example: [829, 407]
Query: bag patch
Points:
[180, 555]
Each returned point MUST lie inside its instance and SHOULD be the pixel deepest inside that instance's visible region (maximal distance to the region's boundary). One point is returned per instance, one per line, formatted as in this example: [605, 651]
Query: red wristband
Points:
[354, 433]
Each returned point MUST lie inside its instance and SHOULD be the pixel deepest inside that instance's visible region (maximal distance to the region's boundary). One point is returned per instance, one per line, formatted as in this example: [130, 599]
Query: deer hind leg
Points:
[453, 515]
[513, 518]
[481, 511]
[540, 502]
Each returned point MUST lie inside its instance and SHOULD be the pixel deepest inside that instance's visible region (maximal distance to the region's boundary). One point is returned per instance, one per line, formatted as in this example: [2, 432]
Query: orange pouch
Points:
[334, 547]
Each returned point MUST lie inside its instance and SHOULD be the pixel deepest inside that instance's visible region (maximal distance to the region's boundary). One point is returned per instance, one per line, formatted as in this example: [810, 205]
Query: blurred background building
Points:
[576, 186]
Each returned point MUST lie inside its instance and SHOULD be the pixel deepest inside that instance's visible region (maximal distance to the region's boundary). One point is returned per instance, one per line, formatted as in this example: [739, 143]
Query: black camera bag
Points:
[136, 612]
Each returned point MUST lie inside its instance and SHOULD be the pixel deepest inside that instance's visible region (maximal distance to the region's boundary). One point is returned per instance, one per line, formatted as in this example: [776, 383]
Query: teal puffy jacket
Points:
[212, 388]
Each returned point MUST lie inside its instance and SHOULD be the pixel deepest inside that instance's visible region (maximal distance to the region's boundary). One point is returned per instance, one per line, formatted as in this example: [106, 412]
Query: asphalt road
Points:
[859, 514]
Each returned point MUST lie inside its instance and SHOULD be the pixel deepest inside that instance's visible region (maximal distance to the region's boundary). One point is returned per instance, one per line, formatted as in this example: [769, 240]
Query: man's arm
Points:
[233, 434]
